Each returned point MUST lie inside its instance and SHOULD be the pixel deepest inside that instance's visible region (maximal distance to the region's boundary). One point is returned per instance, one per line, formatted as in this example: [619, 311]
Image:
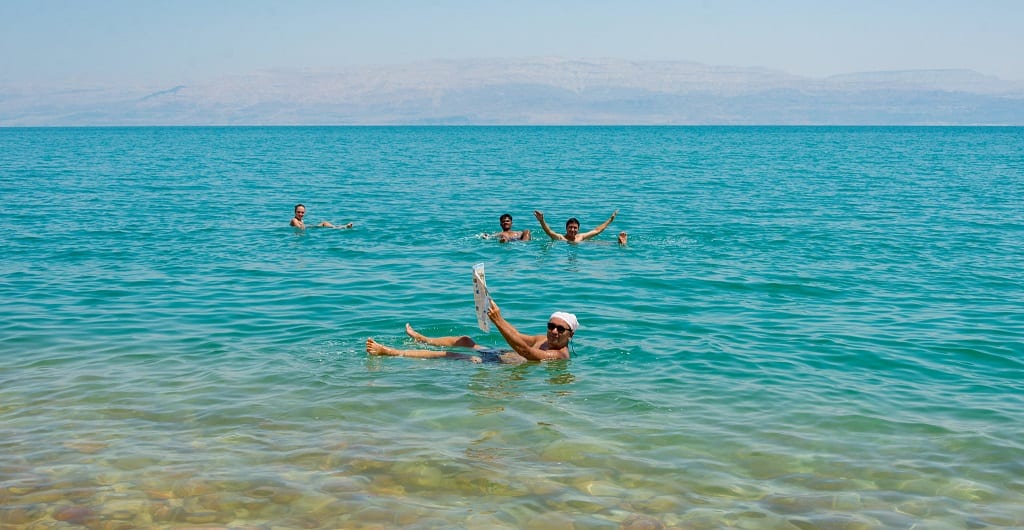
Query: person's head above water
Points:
[572, 228]
[561, 327]
[505, 221]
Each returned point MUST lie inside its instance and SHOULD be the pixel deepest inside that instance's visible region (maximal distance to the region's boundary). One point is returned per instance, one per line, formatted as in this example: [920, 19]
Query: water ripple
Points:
[809, 327]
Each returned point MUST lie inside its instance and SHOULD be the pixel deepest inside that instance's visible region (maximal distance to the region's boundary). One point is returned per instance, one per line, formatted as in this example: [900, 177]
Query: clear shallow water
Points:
[810, 328]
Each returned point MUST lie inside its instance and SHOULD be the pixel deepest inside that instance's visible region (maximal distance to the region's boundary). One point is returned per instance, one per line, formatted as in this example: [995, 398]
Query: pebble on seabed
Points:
[641, 522]
[74, 514]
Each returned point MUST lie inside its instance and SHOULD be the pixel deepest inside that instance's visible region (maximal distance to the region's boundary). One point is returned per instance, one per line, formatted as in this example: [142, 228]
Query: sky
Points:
[168, 42]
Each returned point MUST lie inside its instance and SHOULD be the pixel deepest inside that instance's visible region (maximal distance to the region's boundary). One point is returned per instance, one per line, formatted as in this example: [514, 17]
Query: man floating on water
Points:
[507, 234]
[300, 213]
[552, 345]
[572, 229]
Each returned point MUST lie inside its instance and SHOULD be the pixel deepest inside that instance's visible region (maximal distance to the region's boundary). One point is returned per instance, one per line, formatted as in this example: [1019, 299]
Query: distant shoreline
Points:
[527, 92]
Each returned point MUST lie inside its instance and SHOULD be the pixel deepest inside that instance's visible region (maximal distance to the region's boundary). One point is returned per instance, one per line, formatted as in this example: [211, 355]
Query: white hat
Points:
[569, 318]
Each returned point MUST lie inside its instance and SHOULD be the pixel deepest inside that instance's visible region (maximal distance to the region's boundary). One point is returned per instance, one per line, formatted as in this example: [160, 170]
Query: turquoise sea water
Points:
[809, 328]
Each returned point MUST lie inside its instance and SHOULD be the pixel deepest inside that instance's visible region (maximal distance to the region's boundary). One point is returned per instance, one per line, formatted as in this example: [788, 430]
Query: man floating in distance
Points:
[572, 229]
[300, 213]
[507, 234]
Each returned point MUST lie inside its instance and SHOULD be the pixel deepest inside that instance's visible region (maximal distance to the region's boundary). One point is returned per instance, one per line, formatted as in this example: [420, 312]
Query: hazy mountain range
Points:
[531, 91]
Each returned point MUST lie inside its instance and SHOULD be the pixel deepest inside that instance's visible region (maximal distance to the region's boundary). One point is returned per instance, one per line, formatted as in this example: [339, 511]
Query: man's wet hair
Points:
[503, 216]
[571, 221]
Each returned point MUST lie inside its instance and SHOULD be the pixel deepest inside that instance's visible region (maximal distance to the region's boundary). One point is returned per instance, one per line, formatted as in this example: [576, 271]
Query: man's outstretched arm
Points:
[600, 228]
[547, 229]
[522, 344]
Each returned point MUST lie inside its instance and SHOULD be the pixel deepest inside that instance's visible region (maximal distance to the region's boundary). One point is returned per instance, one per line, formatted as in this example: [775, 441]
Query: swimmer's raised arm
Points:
[547, 229]
[600, 228]
[532, 347]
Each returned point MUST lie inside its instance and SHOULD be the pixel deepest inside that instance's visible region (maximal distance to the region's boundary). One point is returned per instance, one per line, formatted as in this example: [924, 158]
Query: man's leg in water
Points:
[444, 342]
[375, 348]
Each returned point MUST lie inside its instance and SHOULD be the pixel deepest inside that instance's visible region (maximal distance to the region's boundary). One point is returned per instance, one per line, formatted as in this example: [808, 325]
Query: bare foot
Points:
[416, 336]
[375, 348]
[623, 237]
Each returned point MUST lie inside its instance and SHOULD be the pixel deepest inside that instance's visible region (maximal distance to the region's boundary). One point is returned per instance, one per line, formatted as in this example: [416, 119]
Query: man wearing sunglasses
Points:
[550, 346]
[572, 229]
